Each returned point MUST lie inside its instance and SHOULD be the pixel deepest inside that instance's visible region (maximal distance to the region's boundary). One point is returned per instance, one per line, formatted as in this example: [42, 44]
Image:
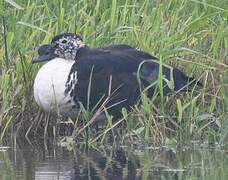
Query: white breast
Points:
[49, 87]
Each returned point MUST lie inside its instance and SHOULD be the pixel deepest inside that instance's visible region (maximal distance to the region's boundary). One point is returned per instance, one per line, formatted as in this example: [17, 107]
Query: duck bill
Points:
[45, 53]
[43, 58]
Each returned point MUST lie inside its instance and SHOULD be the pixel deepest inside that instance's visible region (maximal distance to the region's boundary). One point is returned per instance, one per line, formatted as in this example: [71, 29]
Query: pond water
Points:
[26, 162]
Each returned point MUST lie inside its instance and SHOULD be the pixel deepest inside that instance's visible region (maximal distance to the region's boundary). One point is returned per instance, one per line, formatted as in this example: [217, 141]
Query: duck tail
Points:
[182, 82]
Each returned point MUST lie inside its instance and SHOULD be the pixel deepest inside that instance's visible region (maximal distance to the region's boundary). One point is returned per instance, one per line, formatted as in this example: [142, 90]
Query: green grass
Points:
[189, 34]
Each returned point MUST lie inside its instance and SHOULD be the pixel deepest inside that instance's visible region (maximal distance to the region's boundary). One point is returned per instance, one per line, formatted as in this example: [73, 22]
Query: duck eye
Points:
[64, 41]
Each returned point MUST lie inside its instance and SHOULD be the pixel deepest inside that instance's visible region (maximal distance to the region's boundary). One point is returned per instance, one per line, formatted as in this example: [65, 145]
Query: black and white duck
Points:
[74, 69]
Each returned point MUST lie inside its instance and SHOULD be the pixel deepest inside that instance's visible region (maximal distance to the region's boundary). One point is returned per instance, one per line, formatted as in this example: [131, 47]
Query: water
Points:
[34, 162]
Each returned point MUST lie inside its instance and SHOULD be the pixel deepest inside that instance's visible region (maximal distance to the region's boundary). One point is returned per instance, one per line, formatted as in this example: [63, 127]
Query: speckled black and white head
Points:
[64, 46]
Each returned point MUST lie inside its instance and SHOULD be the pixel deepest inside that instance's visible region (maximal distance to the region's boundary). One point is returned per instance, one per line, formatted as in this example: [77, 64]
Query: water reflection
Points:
[28, 163]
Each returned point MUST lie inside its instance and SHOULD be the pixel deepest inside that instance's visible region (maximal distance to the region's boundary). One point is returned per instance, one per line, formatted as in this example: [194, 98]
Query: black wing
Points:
[118, 47]
[112, 72]
[115, 71]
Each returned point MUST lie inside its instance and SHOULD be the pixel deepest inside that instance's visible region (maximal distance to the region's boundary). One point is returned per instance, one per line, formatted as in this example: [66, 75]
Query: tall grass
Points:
[192, 35]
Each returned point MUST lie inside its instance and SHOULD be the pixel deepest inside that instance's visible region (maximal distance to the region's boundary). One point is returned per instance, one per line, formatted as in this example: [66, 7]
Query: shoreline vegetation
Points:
[191, 35]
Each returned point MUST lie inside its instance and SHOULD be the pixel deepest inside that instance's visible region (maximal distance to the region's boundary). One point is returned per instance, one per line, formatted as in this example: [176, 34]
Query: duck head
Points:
[64, 46]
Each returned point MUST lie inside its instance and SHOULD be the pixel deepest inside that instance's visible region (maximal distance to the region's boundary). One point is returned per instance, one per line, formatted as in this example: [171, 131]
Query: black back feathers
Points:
[117, 67]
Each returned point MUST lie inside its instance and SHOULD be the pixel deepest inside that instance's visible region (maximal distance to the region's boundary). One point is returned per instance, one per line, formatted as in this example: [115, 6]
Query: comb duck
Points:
[76, 74]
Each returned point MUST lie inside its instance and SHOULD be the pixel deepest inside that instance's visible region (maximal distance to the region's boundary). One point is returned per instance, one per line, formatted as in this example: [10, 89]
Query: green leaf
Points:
[138, 131]
[113, 14]
[14, 4]
[32, 26]
[180, 110]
